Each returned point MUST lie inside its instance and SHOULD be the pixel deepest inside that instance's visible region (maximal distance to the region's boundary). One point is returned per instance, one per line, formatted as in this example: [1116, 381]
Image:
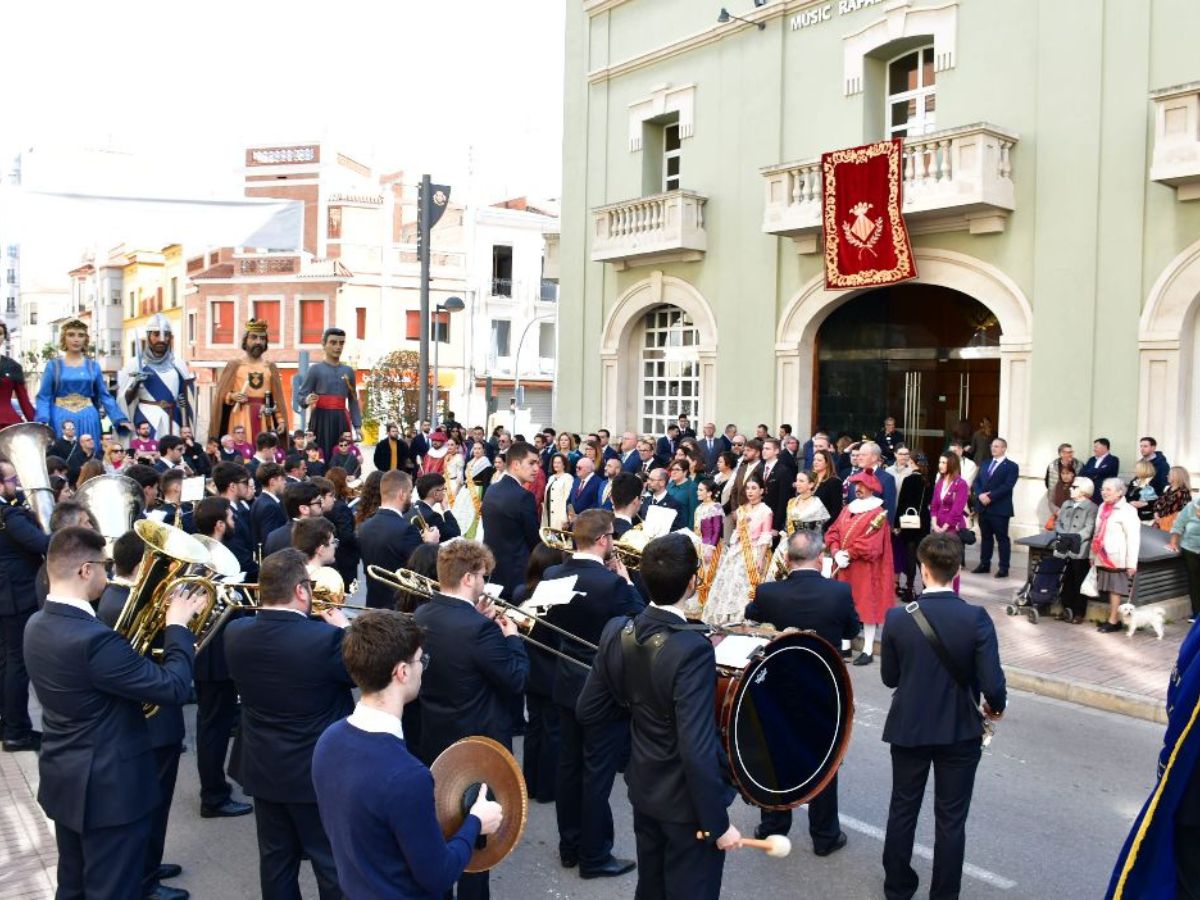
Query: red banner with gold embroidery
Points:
[866, 242]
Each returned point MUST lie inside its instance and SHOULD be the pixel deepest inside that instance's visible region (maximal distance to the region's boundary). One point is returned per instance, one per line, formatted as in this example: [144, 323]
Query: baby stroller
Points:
[1045, 582]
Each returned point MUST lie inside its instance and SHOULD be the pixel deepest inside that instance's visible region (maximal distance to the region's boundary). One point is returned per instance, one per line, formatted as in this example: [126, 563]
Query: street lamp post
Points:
[452, 304]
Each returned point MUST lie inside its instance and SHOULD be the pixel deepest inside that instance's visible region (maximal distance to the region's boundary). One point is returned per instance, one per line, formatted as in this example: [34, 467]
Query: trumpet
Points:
[558, 538]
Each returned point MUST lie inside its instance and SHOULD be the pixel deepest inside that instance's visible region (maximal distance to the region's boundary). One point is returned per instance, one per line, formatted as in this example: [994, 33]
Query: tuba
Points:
[230, 594]
[115, 501]
[25, 446]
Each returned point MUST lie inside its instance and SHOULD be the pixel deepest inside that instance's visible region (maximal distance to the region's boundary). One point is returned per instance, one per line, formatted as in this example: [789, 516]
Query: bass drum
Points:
[785, 707]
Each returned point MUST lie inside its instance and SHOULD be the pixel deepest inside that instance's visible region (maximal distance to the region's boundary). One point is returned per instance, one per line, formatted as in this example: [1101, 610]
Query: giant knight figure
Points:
[156, 388]
[249, 391]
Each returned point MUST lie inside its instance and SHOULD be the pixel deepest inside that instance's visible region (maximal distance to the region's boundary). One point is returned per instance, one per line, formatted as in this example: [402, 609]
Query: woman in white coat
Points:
[1115, 546]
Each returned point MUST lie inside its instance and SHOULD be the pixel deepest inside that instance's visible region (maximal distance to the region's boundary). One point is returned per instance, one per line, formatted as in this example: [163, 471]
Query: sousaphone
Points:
[457, 774]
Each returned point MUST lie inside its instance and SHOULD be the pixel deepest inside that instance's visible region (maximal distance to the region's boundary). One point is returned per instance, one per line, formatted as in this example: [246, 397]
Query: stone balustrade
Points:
[660, 228]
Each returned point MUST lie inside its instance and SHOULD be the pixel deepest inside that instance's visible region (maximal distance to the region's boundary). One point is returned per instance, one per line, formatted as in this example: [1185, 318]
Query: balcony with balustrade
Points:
[959, 179]
[1176, 159]
[661, 228]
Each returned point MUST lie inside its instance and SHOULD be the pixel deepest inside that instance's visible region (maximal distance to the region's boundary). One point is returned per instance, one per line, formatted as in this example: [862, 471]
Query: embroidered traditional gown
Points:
[743, 565]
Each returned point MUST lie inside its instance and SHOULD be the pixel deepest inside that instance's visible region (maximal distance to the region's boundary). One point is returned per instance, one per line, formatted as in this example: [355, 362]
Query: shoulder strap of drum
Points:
[639, 665]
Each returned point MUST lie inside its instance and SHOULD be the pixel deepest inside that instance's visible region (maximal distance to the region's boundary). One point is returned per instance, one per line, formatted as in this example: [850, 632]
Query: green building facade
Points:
[1051, 190]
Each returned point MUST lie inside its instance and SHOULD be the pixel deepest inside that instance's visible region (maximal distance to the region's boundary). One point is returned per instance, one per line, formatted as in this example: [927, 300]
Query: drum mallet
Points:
[774, 845]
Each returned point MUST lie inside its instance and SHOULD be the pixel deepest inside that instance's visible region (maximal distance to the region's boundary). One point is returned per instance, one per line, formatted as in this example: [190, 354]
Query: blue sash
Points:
[180, 406]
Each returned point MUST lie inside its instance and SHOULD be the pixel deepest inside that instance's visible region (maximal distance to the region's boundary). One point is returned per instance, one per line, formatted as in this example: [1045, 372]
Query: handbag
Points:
[910, 520]
[1088, 588]
[966, 535]
[947, 661]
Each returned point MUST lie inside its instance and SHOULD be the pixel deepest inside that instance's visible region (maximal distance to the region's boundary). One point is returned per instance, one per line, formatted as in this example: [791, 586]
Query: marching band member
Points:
[430, 507]
[267, 513]
[387, 539]
[290, 695]
[588, 755]
[233, 482]
[510, 520]
[860, 542]
[73, 389]
[378, 810]
[481, 662]
[677, 774]
[744, 562]
[98, 780]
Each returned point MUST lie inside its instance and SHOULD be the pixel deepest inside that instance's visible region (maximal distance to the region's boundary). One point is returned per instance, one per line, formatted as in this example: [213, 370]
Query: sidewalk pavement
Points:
[28, 855]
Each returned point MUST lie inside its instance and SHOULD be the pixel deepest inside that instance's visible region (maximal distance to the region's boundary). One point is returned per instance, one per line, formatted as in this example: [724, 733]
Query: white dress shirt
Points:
[82, 605]
[368, 718]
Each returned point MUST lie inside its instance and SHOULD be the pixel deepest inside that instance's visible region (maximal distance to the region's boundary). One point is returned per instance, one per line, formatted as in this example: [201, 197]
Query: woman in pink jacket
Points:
[948, 508]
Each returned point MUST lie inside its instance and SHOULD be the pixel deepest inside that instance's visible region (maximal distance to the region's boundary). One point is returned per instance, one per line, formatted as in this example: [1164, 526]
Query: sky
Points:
[467, 90]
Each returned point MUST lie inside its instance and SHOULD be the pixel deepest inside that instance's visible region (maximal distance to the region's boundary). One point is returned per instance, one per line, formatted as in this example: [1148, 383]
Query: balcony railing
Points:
[959, 179]
[550, 262]
[548, 291]
[502, 287]
[661, 228]
[1176, 159]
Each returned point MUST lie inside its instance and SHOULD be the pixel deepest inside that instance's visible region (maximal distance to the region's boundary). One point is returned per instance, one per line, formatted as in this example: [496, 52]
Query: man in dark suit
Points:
[22, 546]
[388, 539]
[97, 767]
[631, 460]
[392, 452]
[935, 721]
[587, 488]
[510, 519]
[779, 481]
[665, 448]
[266, 513]
[301, 500]
[289, 696]
[656, 495]
[588, 756]
[1100, 466]
[431, 492]
[626, 497]
[749, 463]
[711, 446]
[607, 450]
[216, 695]
[808, 601]
[993, 492]
[480, 663]
[685, 427]
[659, 669]
[165, 726]
[233, 482]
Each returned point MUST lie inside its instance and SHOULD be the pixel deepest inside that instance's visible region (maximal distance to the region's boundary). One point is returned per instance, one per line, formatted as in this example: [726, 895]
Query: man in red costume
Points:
[12, 384]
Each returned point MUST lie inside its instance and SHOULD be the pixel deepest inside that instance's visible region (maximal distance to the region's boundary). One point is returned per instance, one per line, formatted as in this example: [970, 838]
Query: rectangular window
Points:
[412, 325]
[546, 340]
[116, 298]
[132, 304]
[221, 331]
[439, 326]
[12, 276]
[268, 311]
[191, 328]
[360, 323]
[501, 333]
[174, 292]
[312, 321]
[502, 269]
[671, 157]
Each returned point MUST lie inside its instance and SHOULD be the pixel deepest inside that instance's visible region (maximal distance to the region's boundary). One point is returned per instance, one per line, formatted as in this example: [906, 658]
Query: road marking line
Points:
[972, 871]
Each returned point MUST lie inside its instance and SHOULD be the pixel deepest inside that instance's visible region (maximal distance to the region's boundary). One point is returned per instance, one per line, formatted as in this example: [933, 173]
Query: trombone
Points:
[423, 586]
[558, 538]
[329, 591]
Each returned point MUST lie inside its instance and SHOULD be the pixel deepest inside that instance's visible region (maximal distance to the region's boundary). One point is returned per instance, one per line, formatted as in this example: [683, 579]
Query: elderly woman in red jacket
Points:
[861, 545]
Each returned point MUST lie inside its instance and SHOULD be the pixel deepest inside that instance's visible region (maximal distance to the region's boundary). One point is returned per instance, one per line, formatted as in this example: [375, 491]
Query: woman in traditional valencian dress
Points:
[744, 562]
[709, 523]
[73, 388]
[805, 512]
[453, 470]
[469, 500]
[861, 544]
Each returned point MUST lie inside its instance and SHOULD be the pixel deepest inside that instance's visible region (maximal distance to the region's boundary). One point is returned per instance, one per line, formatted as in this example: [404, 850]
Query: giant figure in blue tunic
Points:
[73, 388]
[155, 387]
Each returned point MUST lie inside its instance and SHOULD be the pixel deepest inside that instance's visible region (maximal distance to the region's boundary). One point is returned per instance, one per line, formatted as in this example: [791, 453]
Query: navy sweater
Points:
[376, 802]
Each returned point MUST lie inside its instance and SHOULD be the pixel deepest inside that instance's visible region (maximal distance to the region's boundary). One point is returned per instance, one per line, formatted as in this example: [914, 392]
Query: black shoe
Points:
[837, 845]
[864, 659]
[162, 892]
[1002, 573]
[980, 570]
[33, 741]
[168, 870]
[847, 653]
[1110, 627]
[226, 810]
[568, 860]
[610, 869]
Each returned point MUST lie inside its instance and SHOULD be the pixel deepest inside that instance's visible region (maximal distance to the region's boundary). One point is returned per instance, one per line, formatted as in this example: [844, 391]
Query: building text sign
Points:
[824, 12]
[274, 156]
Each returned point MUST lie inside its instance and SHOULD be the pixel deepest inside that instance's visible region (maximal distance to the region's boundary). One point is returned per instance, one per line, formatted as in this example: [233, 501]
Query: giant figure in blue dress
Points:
[73, 388]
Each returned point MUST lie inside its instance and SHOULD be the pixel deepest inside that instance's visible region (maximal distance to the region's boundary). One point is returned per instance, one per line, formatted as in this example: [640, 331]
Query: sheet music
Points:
[658, 520]
[553, 592]
[735, 650]
[193, 490]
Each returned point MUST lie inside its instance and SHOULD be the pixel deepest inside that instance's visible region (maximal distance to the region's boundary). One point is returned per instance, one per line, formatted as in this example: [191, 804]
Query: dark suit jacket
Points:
[289, 673]
[677, 771]
[22, 547]
[807, 600]
[664, 448]
[446, 524]
[589, 497]
[999, 487]
[670, 503]
[632, 462]
[383, 455]
[1110, 467]
[347, 556]
[266, 514]
[610, 452]
[97, 765]
[279, 539]
[780, 489]
[928, 706]
[241, 542]
[607, 595]
[474, 673]
[710, 454]
[386, 539]
[510, 529]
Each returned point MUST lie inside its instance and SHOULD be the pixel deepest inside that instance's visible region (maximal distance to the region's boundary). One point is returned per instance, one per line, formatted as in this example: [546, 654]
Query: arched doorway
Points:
[658, 356]
[926, 355]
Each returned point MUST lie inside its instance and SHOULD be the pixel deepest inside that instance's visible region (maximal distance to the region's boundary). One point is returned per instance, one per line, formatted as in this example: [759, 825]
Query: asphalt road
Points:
[1054, 797]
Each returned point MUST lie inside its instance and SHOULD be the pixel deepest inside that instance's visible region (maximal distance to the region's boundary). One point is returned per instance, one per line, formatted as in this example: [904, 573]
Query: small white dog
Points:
[1135, 618]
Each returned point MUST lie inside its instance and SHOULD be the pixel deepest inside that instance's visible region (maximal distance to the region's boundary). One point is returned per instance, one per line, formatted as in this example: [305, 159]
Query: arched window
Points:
[670, 368]
[911, 100]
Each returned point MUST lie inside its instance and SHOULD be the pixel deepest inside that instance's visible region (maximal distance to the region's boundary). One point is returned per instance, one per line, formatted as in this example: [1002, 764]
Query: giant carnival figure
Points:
[73, 388]
[249, 392]
[156, 388]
